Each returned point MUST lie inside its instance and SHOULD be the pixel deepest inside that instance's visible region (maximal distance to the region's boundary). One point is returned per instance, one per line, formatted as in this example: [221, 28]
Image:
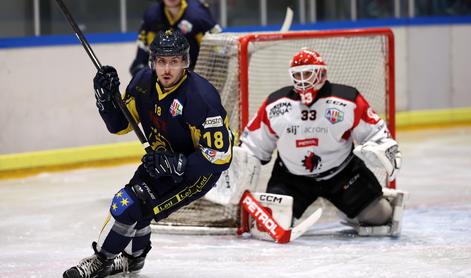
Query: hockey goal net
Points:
[246, 68]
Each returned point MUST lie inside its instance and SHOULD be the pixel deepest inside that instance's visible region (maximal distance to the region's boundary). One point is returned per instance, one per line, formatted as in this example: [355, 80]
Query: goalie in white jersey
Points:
[314, 125]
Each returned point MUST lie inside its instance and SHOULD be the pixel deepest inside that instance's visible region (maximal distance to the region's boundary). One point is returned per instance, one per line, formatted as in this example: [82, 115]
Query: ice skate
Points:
[95, 266]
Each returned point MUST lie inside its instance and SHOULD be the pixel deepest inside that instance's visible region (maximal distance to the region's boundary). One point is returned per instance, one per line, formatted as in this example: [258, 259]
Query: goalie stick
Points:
[249, 205]
[117, 96]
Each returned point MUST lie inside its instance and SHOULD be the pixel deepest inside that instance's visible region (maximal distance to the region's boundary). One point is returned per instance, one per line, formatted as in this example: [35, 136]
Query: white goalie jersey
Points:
[317, 139]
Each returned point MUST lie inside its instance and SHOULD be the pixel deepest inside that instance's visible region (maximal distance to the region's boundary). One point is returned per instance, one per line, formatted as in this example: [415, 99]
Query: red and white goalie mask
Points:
[308, 72]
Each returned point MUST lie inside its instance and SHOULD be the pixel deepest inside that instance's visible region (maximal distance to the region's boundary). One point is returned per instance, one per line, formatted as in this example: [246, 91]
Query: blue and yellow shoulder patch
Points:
[120, 203]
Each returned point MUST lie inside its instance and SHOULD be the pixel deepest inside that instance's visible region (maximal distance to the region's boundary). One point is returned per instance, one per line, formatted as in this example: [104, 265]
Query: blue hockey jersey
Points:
[194, 20]
[188, 119]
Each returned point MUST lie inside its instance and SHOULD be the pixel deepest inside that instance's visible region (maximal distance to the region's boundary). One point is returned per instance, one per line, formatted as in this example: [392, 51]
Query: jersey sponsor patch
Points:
[213, 122]
[279, 109]
[214, 156]
[295, 129]
[334, 115]
[176, 108]
[308, 142]
[185, 26]
[120, 203]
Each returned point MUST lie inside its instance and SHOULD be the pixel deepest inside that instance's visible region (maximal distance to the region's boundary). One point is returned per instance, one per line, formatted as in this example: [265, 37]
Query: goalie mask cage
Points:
[246, 68]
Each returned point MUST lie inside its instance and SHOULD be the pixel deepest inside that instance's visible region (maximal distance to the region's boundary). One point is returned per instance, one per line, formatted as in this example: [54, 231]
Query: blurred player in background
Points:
[187, 128]
[314, 125]
[192, 17]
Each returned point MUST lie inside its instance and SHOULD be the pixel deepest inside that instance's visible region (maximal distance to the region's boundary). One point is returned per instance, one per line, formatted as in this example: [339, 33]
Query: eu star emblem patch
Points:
[120, 203]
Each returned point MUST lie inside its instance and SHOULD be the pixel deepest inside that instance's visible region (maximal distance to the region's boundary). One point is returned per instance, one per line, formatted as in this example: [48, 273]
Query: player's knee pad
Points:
[280, 207]
[123, 206]
[145, 196]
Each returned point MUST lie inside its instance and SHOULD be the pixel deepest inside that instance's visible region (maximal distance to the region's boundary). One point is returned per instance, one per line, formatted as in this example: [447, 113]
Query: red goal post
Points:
[246, 68]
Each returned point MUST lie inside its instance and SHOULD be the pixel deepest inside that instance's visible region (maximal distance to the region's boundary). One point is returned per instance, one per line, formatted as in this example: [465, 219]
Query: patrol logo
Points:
[213, 122]
[279, 109]
[185, 26]
[176, 108]
[308, 142]
[120, 203]
[312, 162]
[334, 115]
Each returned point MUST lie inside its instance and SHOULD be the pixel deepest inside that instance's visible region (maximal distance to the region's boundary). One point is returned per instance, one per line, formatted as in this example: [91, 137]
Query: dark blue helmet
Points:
[171, 42]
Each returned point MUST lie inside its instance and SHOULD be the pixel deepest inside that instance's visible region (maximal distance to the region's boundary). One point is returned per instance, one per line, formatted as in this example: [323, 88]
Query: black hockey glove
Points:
[165, 164]
[106, 83]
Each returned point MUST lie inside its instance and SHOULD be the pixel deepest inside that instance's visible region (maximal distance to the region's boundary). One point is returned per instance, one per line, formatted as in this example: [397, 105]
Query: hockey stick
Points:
[251, 206]
[117, 96]
[288, 20]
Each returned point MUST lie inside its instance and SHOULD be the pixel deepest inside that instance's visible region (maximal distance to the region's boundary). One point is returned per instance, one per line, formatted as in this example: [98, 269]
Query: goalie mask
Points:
[308, 72]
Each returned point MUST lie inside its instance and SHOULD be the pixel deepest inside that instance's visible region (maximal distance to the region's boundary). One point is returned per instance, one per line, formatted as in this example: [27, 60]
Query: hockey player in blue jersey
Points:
[192, 17]
[187, 127]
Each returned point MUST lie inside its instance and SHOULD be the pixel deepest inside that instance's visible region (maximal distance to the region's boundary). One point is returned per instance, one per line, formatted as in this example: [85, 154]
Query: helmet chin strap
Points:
[307, 96]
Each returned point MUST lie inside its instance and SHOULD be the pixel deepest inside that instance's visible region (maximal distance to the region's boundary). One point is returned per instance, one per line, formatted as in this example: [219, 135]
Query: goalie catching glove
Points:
[384, 153]
[165, 164]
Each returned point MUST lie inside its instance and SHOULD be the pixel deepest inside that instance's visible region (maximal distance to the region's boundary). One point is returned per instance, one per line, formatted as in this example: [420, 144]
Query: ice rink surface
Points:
[47, 224]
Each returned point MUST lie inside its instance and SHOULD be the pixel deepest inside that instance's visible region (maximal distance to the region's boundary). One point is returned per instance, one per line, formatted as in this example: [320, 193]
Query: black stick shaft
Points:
[79, 34]
[117, 96]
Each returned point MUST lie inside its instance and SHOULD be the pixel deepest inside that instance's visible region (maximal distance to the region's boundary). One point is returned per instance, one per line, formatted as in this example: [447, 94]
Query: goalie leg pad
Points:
[393, 228]
[281, 209]
[242, 175]
[397, 199]
[377, 213]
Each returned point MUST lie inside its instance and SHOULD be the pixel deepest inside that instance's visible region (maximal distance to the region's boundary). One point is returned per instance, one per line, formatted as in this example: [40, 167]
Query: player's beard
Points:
[171, 81]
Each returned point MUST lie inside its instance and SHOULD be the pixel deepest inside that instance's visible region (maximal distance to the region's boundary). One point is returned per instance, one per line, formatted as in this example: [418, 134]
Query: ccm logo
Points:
[271, 199]
[258, 213]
